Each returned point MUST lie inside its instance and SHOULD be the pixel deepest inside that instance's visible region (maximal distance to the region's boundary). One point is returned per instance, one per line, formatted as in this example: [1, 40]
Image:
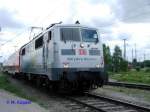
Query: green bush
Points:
[147, 70]
[133, 77]
[124, 65]
[138, 68]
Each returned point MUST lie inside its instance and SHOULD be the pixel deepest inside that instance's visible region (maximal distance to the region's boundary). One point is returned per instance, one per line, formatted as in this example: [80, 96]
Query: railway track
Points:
[130, 85]
[105, 104]
[95, 103]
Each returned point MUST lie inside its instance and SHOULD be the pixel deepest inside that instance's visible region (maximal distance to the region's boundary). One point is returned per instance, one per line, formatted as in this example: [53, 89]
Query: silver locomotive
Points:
[63, 56]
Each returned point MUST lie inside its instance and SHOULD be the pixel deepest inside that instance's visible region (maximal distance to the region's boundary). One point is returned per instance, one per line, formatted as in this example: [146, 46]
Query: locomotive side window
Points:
[23, 51]
[49, 35]
[70, 34]
[39, 42]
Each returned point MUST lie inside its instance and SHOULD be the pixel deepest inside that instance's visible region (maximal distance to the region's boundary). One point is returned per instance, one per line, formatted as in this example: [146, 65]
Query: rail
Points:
[130, 85]
[105, 104]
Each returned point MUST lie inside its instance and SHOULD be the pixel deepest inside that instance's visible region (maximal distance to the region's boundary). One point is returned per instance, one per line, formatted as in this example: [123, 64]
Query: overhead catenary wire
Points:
[16, 36]
[53, 10]
[35, 21]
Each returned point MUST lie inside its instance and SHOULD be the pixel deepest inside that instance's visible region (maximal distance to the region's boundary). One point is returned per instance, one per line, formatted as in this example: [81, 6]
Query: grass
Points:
[6, 85]
[132, 76]
[140, 94]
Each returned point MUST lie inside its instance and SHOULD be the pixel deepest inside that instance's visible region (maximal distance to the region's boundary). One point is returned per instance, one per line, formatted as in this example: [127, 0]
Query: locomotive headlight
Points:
[81, 45]
[66, 65]
[97, 66]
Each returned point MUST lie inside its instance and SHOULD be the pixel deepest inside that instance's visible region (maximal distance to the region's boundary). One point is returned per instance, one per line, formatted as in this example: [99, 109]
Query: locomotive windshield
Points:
[89, 35]
[70, 34]
[73, 34]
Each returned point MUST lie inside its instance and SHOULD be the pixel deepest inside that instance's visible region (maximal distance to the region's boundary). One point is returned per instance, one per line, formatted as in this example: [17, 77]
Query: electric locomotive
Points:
[68, 57]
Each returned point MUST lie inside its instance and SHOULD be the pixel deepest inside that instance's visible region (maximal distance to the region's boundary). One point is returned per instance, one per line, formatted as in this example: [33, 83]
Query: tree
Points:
[117, 59]
[116, 62]
[147, 63]
[134, 62]
[124, 65]
[107, 57]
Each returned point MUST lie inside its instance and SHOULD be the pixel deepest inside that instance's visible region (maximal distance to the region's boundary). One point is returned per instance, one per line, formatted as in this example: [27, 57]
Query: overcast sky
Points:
[116, 20]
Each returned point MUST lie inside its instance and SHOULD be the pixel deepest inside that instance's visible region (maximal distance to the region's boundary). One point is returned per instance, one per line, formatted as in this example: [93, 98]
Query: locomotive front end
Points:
[80, 57]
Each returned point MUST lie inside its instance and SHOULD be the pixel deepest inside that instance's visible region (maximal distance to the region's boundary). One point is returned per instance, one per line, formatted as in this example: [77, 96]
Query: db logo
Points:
[82, 52]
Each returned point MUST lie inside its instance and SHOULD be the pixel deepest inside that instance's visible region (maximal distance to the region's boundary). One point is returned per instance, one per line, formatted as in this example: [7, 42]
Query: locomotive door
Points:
[46, 51]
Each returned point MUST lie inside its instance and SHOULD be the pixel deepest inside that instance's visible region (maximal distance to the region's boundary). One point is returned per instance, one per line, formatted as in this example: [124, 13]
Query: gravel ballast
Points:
[140, 97]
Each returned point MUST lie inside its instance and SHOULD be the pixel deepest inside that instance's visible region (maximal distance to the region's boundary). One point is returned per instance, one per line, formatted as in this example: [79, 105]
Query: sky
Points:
[115, 19]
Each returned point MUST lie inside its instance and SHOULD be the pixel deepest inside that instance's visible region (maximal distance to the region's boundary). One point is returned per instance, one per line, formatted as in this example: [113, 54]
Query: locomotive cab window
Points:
[89, 35]
[39, 42]
[70, 34]
[23, 51]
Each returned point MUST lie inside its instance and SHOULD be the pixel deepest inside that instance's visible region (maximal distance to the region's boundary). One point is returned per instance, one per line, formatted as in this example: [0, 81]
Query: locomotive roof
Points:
[73, 25]
[58, 25]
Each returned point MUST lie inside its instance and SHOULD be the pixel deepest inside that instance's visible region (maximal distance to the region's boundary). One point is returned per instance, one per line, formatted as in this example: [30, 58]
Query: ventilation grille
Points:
[68, 52]
[94, 52]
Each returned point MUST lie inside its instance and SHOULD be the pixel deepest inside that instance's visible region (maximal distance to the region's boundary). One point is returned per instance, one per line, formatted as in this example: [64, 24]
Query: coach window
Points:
[23, 51]
[49, 35]
[39, 42]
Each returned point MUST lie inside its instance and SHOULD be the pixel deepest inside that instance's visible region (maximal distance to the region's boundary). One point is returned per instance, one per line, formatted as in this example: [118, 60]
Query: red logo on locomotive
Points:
[82, 52]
